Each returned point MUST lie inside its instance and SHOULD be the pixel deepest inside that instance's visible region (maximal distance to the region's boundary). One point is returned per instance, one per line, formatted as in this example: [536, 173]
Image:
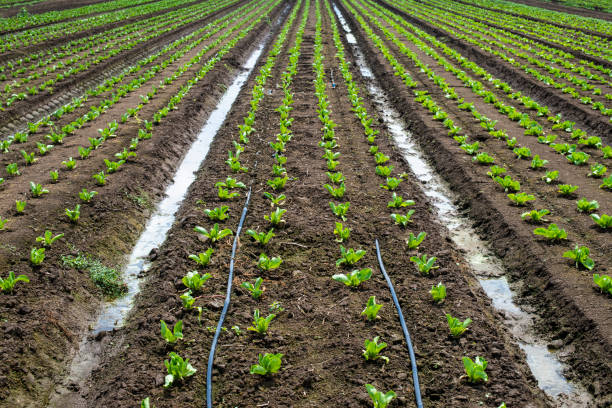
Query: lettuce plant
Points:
[278, 183]
[194, 281]
[585, 205]
[520, 199]
[28, 157]
[580, 255]
[379, 399]
[100, 178]
[276, 217]
[383, 171]
[269, 263]
[267, 364]
[475, 370]
[508, 183]
[87, 196]
[84, 152]
[398, 202]
[278, 200]
[336, 192]
[48, 239]
[202, 258]
[438, 293]
[567, 189]
[20, 206]
[371, 309]
[217, 213]
[178, 369]
[402, 220]
[349, 256]
[456, 326]
[187, 300]
[535, 216]
[230, 183]
[552, 232]
[113, 166]
[37, 256]
[342, 232]
[37, 189]
[606, 183]
[12, 169]
[537, 162]
[8, 284]
[3, 223]
[262, 238]
[483, 158]
[604, 282]
[578, 158]
[70, 163]
[598, 170]
[392, 184]
[424, 264]
[215, 234]
[254, 288]
[413, 241]
[354, 278]
[172, 336]
[260, 324]
[54, 175]
[373, 349]
[73, 215]
[550, 176]
[495, 171]
[603, 221]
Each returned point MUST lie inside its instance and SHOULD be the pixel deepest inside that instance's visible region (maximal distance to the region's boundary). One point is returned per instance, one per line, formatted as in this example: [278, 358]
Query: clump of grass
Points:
[107, 279]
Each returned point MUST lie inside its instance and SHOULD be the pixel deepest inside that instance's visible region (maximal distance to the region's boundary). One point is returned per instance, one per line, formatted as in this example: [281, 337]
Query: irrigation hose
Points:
[415, 373]
[213, 346]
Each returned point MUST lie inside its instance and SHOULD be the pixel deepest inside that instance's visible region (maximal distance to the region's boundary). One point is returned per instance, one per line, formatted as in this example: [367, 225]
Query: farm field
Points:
[305, 203]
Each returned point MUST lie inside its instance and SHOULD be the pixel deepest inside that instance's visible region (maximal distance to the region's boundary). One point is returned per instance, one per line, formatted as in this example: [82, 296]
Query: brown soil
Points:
[566, 9]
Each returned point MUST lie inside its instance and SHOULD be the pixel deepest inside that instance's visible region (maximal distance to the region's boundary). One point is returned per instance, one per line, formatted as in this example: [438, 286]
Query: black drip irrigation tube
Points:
[415, 372]
[228, 294]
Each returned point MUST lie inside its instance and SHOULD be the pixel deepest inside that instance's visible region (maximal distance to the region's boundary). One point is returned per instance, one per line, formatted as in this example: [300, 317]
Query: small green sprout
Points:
[403, 220]
[373, 349]
[48, 239]
[379, 399]
[538, 163]
[178, 369]
[278, 183]
[202, 258]
[456, 326]
[508, 183]
[37, 256]
[552, 233]
[604, 282]
[580, 255]
[342, 232]
[413, 241]
[230, 183]
[392, 184]
[20, 206]
[424, 264]
[339, 210]
[354, 278]
[73, 215]
[214, 234]
[598, 170]
[8, 284]
[87, 196]
[276, 217]
[12, 169]
[398, 202]
[603, 221]
[172, 336]
[267, 264]
[349, 256]
[262, 238]
[260, 324]
[54, 175]
[567, 189]
[70, 163]
[268, 364]
[371, 309]
[438, 293]
[254, 288]
[587, 206]
[496, 171]
[535, 216]
[336, 192]
[194, 281]
[550, 176]
[218, 213]
[100, 178]
[475, 370]
[37, 190]
[275, 201]
[520, 199]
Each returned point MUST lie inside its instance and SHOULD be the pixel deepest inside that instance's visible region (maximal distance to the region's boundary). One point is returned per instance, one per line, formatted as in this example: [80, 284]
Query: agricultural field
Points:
[305, 203]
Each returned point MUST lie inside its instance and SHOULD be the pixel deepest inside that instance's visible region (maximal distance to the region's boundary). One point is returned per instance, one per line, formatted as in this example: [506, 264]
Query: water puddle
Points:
[114, 313]
[488, 268]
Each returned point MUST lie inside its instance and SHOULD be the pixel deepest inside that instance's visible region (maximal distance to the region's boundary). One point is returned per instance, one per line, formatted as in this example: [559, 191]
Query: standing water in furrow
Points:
[488, 268]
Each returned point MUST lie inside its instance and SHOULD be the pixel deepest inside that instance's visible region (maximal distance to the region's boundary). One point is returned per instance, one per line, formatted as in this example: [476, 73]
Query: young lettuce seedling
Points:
[339, 210]
[8, 284]
[604, 282]
[398, 202]
[178, 369]
[495, 171]
[279, 200]
[214, 234]
[100, 178]
[413, 242]
[87, 196]
[254, 288]
[12, 169]
[456, 326]
[37, 256]
[603, 221]
[20, 206]
[438, 293]
[28, 157]
[3, 223]
[580, 255]
[267, 264]
[217, 213]
[73, 215]
[70, 163]
[262, 238]
[371, 309]
[567, 189]
[203, 258]
[194, 281]
[354, 278]
[187, 300]
[379, 399]
[552, 233]
[172, 336]
[402, 220]
[606, 183]
[37, 190]
[342, 232]
[475, 370]
[146, 403]
[598, 170]
[349, 256]
[276, 217]
[535, 216]
[538, 163]
[520, 199]
[260, 324]
[550, 176]
[373, 349]
[225, 194]
[278, 183]
[48, 239]
[230, 183]
[587, 206]
[53, 175]
[335, 178]
[508, 183]
[392, 184]
[268, 364]
[336, 192]
[424, 264]
[113, 166]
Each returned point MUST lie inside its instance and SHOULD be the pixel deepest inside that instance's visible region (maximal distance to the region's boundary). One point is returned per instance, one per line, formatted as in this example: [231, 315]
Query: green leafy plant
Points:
[371, 309]
[340, 210]
[336, 192]
[342, 232]
[70, 163]
[522, 152]
[260, 324]
[278, 183]
[217, 213]
[578, 158]
[552, 232]
[392, 184]
[113, 166]
[475, 370]
[587, 206]
[606, 183]
[8, 284]
[172, 336]
[604, 282]
[215, 234]
[20, 206]
[349, 256]
[383, 171]
[254, 288]
[194, 281]
[424, 264]
[54, 175]
[269, 263]
[202, 258]
[37, 256]
[100, 178]
[413, 241]
[84, 152]
[230, 183]
[178, 369]
[603, 221]
[567, 189]
[550, 176]
[373, 349]
[508, 183]
[398, 202]
[580, 255]
[403, 220]
[456, 326]
[262, 238]
[495, 171]
[73, 215]
[267, 364]
[37, 190]
[520, 199]
[12, 169]
[537, 162]
[598, 170]
[3, 223]
[535, 216]
[48, 239]
[438, 293]
[483, 158]
[379, 399]
[276, 217]
[87, 196]
[278, 200]
[353, 278]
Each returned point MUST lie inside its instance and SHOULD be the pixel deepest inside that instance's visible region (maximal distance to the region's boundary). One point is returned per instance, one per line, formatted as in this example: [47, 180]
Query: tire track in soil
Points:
[38, 349]
[576, 308]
